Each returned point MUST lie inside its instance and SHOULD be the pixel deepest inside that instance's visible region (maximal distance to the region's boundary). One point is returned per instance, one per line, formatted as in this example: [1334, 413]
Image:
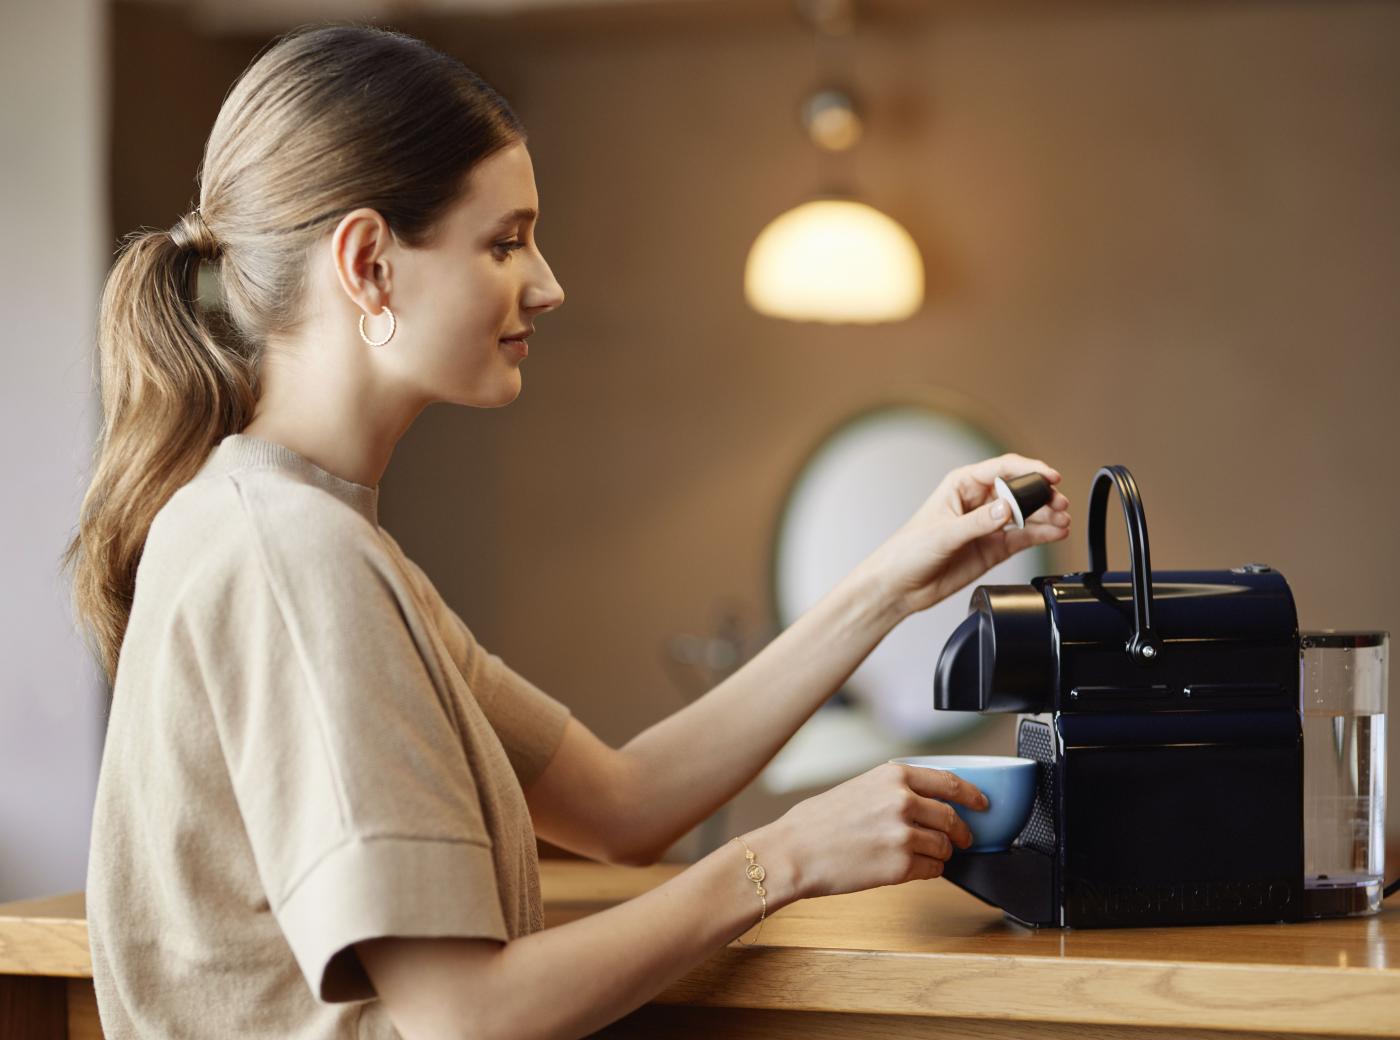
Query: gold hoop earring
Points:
[393, 324]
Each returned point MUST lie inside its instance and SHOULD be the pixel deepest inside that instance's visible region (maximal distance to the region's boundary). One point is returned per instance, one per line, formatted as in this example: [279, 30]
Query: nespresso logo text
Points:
[1119, 899]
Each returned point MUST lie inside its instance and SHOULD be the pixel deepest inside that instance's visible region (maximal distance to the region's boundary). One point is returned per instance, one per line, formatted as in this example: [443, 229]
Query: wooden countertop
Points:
[928, 949]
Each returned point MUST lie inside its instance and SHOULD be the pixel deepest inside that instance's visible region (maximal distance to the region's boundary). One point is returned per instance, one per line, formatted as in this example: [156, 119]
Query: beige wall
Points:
[53, 73]
[1165, 235]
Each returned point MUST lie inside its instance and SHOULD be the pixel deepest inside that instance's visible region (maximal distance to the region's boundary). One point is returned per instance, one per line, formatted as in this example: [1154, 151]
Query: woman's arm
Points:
[683, 768]
[676, 773]
[614, 961]
[628, 806]
[887, 826]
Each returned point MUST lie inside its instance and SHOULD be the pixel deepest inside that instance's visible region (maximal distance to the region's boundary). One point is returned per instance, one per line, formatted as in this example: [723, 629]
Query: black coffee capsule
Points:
[1024, 495]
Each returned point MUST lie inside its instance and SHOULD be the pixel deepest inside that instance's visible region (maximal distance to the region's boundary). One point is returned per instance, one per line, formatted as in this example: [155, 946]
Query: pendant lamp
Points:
[834, 258]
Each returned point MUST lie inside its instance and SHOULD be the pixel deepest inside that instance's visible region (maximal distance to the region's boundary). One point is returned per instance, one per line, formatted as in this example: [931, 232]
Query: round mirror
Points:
[862, 481]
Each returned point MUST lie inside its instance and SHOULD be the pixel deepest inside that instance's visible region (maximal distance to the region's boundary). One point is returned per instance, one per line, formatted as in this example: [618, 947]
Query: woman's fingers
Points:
[931, 843]
[943, 786]
[943, 818]
[1034, 534]
[1050, 527]
[1057, 507]
[1011, 465]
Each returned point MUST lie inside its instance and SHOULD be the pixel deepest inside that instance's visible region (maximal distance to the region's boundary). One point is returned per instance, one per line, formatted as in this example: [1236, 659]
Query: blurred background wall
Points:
[1161, 234]
[56, 224]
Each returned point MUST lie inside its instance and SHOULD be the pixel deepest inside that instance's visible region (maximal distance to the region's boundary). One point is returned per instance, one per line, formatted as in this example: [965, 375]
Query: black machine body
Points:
[1163, 710]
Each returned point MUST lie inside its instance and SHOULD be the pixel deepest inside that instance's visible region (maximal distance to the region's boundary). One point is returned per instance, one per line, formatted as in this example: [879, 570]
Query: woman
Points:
[317, 789]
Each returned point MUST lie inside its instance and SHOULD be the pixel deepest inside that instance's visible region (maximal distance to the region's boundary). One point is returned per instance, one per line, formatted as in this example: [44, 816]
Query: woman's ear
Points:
[360, 246]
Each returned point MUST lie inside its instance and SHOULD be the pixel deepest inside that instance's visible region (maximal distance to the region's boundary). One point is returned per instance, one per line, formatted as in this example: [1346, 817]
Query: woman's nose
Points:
[547, 292]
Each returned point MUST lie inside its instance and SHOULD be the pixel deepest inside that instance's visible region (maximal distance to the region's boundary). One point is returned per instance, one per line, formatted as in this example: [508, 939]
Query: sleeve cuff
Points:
[378, 887]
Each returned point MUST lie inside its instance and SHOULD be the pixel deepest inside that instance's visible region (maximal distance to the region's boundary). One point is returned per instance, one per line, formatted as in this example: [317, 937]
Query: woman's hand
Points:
[956, 536]
[889, 825]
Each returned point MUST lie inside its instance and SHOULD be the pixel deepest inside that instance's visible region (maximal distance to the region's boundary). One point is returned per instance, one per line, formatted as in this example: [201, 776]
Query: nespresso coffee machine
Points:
[1163, 712]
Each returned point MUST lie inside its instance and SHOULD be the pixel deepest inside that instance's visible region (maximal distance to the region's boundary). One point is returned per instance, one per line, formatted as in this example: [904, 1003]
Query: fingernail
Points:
[999, 510]
[982, 801]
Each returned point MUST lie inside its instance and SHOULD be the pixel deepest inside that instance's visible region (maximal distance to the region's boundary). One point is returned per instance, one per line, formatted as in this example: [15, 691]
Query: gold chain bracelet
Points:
[755, 873]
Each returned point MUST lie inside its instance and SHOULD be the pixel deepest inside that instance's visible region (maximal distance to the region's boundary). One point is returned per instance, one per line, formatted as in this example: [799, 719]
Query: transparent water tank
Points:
[1344, 692]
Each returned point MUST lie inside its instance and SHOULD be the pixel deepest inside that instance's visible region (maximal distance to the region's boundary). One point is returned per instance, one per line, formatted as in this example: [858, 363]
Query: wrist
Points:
[871, 597]
[774, 849]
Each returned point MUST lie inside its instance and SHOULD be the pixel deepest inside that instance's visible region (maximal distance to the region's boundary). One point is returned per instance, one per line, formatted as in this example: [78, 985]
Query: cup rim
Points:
[964, 761]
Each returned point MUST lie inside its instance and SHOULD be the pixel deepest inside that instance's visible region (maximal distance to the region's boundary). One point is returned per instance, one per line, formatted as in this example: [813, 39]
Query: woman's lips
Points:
[517, 346]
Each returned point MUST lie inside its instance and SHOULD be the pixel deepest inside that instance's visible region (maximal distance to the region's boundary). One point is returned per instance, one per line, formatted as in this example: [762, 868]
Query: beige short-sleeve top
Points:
[306, 748]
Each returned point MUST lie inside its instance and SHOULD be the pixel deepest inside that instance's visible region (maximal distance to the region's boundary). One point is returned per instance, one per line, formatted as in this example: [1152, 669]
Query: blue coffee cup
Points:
[1008, 783]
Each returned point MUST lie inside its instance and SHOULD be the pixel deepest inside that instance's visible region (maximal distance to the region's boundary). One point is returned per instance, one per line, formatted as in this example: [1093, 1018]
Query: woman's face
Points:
[482, 282]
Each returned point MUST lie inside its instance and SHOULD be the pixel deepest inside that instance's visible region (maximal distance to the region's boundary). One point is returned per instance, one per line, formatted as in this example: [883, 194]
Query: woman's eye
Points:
[508, 247]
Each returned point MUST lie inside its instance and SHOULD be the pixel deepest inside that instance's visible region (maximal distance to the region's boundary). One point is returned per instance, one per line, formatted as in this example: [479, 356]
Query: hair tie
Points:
[192, 235]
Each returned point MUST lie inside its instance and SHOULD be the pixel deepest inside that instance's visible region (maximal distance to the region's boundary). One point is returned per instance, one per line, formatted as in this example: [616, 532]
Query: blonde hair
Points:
[327, 119]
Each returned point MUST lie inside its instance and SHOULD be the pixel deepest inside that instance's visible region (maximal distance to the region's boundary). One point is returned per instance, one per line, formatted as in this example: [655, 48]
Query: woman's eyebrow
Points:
[514, 217]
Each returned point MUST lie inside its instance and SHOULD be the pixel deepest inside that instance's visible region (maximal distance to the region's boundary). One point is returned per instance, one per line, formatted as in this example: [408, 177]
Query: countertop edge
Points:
[1280, 999]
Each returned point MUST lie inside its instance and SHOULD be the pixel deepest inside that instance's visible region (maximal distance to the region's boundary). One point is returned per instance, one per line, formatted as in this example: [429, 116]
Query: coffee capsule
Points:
[1024, 495]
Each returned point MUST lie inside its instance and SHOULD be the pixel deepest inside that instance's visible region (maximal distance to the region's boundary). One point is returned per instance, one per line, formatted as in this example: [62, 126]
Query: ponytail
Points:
[169, 392]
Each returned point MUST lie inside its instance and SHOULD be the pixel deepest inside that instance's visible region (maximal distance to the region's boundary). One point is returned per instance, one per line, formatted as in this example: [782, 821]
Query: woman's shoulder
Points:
[264, 500]
[218, 527]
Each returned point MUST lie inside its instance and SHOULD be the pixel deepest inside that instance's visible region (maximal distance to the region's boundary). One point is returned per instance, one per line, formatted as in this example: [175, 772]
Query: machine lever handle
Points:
[1144, 646]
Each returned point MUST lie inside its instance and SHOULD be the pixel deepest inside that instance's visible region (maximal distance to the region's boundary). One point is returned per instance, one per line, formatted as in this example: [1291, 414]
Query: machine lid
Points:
[1197, 606]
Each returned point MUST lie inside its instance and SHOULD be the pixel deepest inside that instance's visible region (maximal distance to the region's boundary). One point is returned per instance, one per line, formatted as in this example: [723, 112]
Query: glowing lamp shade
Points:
[834, 261]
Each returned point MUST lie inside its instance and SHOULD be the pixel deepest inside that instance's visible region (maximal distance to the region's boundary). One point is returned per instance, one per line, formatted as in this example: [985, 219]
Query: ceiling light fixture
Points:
[834, 259]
